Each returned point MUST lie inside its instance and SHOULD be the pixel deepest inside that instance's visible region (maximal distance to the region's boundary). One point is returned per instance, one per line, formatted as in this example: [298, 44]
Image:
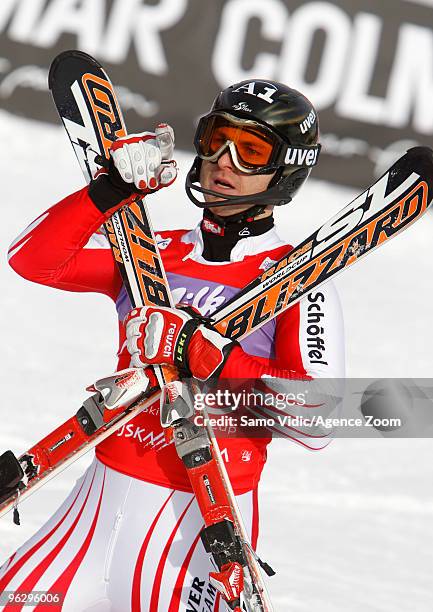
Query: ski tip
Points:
[64, 55]
[421, 160]
[420, 155]
[421, 151]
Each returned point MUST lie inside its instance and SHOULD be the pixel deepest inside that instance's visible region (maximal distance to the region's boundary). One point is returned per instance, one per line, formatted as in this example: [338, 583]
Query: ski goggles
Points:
[254, 148]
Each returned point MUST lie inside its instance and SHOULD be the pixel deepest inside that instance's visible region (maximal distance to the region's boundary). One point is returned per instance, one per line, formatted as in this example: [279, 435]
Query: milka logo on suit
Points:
[205, 300]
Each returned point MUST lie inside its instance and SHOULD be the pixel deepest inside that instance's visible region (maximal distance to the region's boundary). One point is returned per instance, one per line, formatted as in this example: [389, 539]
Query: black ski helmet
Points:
[291, 118]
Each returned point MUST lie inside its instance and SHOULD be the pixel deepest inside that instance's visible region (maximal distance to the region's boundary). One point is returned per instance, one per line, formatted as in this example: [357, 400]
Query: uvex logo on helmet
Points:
[260, 89]
[308, 122]
[301, 156]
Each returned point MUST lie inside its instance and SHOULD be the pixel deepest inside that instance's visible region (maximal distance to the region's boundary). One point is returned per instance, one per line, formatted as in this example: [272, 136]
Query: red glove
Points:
[179, 337]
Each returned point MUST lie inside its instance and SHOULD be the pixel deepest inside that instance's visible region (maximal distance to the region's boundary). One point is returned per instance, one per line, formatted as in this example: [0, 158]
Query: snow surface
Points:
[349, 528]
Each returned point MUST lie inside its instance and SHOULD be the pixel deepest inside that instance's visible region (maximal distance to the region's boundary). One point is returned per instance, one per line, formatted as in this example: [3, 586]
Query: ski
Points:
[381, 212]
[94, 422]
[85, 98]
[92, 119]
[88, 107]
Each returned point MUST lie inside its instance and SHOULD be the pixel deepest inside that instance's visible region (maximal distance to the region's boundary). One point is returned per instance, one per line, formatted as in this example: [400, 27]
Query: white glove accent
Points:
[122, 387]
[152, 337]
[146, 159]
[133, 334]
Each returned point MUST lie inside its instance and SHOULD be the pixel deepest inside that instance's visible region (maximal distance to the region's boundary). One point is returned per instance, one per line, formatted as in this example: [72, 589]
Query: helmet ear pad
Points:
[290, 180]
[194, 173]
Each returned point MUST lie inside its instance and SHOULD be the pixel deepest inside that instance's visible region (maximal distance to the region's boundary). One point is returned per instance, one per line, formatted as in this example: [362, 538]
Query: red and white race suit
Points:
[65, 248]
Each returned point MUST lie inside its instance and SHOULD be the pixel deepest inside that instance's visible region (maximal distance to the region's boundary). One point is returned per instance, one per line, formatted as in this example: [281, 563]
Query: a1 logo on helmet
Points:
[265, 93]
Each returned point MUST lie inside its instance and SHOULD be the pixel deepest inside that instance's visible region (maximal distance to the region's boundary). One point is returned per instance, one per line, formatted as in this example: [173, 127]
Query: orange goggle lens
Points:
[254, 147]
[251, 148]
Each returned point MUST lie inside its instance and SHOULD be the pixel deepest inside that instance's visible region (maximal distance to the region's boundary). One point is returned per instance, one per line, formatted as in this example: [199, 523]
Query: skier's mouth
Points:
[222, 184]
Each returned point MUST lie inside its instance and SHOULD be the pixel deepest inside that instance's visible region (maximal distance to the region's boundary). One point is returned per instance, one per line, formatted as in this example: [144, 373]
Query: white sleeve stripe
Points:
[28, 229]
[321, 333]
[97, 241]
[14, 251]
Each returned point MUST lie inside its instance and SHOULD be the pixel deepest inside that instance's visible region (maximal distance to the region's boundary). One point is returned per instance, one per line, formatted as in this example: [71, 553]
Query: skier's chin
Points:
[227, 210]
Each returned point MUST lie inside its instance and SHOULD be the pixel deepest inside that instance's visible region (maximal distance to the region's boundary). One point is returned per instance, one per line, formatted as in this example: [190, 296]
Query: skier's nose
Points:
[225, 160]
